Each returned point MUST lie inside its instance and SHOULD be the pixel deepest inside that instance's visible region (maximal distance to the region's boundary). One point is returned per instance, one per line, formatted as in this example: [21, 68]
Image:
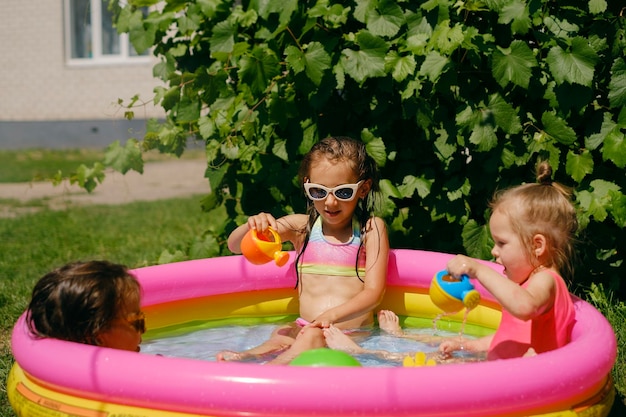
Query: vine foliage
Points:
[454, 100]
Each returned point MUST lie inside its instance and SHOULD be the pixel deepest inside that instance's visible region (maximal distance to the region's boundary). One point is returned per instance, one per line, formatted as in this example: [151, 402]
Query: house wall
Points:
[37, 84]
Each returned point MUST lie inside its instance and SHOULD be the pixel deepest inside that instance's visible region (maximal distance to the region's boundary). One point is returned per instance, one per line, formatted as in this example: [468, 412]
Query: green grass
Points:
[134, 234]
[37, 164]
[41, 164]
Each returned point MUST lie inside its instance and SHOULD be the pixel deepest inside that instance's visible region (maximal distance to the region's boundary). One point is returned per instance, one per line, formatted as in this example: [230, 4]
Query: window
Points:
[91, 37]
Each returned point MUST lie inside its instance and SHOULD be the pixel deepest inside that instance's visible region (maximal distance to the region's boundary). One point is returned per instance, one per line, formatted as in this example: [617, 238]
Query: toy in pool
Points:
[453, 294]
[56, 378]
[258, 249]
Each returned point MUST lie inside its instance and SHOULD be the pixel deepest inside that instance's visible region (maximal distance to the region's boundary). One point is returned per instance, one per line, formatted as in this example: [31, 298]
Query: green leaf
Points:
[516, 11]
[368, 61]
[557, 128]
[614, 148]
[446, 39]
[484, 137]
[505, 115]
[223, 37]
[123, 159]
[166, 257]
[595, 202]
[295, 59]
[259, 68]
[411, 184]
[597, 6]
[617, 208]
[477, 240]
[597, 139]
[617, 86]
[579, 165]
[205, 247]
[382, 17]
[309, 136]
[433, 66]
[187, 110]
[513, 64]
[317, 61]
[88, 178]
[215, 176]
[375, 147]
[399, 66]
[575, 66]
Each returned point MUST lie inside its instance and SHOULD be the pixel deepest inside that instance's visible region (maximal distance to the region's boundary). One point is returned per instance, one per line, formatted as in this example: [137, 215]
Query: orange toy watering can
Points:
[259, 249]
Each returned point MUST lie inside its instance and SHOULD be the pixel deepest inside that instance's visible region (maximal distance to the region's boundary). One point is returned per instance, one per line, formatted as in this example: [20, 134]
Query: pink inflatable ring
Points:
[55, 378]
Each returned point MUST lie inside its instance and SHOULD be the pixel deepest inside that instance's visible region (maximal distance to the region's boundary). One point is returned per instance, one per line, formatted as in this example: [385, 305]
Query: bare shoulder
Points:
[292, 227]
[375, 223]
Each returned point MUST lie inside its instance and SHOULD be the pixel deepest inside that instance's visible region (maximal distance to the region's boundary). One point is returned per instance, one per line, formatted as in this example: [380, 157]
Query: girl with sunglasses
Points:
[337, 283]
[95, 302]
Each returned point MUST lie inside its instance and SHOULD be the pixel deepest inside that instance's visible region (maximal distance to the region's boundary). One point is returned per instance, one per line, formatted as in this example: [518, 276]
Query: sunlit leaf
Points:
[433, 66]
[517, 12]
[400, 66]
[513, 64]
[576, 65]
[597, 6]
[557, 128]
[375, 147]
[223, 37]
[484, 137]
[578, 166]
[614, 148]
[368, 61]
[124, 158]
[617, 86]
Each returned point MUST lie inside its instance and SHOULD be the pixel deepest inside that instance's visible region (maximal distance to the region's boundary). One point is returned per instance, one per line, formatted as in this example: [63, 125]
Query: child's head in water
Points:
[541, 209]
[95, 302]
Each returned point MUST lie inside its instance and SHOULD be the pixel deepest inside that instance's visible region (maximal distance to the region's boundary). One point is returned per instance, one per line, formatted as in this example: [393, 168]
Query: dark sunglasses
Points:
[138, 321]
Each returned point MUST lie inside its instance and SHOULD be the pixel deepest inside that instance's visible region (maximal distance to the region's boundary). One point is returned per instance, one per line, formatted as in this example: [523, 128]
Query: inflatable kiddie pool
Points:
[55, 378]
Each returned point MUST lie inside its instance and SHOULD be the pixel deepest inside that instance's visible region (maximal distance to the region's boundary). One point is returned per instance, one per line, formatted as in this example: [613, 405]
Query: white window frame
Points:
[97, 57]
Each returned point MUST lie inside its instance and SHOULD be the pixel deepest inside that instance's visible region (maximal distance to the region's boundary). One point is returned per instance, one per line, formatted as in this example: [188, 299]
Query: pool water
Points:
[205, 344]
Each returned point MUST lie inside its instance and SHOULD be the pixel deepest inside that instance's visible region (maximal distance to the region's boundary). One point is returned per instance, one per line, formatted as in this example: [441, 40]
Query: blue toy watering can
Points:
[453, 294]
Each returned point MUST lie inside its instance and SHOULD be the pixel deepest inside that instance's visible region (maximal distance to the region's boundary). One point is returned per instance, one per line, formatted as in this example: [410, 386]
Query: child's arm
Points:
[286, 226]
[377, 250]
[452, 344]
[523, 303]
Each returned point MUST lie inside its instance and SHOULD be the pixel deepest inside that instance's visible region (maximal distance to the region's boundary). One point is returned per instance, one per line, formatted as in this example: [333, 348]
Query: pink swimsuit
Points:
[549, 331]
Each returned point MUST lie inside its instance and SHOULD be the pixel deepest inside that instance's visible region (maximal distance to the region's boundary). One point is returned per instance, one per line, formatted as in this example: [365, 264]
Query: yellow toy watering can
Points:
[259, 249]
[453, 294]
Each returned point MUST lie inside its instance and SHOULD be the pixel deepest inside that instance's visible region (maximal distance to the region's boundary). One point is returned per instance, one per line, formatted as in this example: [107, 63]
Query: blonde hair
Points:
[545, 208]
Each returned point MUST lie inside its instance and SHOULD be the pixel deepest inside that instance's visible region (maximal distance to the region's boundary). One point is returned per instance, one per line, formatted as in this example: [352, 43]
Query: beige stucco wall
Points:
[36, 82]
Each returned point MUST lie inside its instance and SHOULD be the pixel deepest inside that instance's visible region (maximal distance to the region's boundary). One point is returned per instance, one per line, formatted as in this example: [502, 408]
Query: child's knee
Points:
[314, 336]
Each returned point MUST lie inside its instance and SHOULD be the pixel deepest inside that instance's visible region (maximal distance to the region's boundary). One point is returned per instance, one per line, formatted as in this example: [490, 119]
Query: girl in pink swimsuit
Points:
[532, 226]
[337, 283]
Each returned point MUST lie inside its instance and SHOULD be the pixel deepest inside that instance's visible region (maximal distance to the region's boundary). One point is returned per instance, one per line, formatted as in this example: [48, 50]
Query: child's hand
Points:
[262, 221]
[462, 265]
[323, 321]
[450, 345]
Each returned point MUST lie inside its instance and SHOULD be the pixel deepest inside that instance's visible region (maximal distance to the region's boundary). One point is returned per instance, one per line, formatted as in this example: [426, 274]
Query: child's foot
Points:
[530, 352]
[389, 322]
[336, 339]
[229, 355]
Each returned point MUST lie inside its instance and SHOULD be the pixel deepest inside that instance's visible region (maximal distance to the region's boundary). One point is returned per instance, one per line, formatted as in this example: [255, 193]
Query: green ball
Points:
[324, 357]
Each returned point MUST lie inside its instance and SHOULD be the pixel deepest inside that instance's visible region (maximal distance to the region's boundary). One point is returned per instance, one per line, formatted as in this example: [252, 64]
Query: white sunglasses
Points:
[344, 192]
